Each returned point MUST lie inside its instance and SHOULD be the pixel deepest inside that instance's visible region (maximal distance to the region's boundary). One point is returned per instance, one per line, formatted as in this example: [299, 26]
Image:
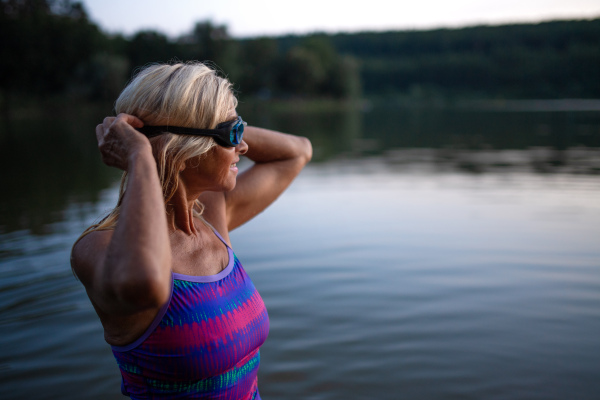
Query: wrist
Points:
[143, 154]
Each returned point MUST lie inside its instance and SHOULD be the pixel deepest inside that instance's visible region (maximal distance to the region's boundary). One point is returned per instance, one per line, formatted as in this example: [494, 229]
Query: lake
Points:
[426, 253]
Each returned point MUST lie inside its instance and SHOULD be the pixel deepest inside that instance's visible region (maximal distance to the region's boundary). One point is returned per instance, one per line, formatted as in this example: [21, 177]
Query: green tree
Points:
[212, 43]
[314, 68]
[44, 42]
[259, 64]
[150, 46]
[302, 72]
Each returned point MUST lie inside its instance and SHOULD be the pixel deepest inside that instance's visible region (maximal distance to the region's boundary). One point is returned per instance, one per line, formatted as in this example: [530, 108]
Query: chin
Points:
[227, 186]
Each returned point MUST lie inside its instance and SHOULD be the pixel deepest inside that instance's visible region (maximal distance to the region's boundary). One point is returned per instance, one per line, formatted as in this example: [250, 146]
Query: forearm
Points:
[138, 260]
[268, 146]
[278, 159]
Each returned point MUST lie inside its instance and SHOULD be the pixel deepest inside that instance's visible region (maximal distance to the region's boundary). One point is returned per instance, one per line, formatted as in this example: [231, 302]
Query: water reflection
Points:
[51, 160]
[430, 252]
[472, 140]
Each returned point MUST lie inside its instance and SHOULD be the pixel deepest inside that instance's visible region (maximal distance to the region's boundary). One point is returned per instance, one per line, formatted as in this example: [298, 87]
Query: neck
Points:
[180, 211]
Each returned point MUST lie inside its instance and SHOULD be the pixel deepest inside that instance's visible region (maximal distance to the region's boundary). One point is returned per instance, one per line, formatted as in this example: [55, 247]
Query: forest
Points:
[52, 48]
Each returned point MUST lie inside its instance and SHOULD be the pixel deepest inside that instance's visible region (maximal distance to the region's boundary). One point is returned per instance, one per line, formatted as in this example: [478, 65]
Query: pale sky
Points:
[275, 17]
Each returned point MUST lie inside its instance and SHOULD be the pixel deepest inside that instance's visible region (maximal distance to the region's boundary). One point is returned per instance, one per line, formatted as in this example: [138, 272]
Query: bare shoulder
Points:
[87, 258]
[88, 253]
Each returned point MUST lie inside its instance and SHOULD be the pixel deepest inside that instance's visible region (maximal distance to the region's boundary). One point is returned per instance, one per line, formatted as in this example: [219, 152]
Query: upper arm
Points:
[88, 255]
[107, 290]
[278, 158]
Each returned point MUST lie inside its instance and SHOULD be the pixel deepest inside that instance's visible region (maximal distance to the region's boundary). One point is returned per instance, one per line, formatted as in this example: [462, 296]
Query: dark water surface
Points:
[456, 264]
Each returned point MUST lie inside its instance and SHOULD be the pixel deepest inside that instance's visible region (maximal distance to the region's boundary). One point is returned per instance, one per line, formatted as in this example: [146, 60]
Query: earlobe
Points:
[183, 166]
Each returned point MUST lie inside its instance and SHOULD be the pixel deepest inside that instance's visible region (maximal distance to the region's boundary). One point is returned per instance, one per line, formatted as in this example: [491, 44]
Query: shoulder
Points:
[89, 251]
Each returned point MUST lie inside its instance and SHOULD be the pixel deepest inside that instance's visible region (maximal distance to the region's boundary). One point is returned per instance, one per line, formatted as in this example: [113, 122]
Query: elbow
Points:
[145, 288]
[306, 150]
[143, 294]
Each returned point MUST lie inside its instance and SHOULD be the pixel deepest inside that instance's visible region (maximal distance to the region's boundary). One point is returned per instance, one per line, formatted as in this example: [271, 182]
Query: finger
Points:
[108, 121]
[131, 120]
[99, 132]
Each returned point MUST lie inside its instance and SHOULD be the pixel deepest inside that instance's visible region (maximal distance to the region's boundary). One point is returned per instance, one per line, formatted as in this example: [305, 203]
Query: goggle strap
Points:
[151, 131]
[228, 129]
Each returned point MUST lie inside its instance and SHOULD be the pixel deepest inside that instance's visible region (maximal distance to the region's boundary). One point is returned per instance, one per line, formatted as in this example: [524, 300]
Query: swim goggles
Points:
[226, 134]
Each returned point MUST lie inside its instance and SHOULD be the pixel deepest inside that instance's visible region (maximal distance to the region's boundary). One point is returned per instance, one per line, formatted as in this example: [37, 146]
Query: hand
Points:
[118, 140]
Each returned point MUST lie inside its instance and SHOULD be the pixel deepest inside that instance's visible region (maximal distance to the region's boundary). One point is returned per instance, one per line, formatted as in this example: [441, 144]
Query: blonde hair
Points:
[185, 94]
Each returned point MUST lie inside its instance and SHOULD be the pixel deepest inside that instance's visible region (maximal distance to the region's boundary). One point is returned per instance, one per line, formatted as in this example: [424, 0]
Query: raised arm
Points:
[127, 270]
[278, 159]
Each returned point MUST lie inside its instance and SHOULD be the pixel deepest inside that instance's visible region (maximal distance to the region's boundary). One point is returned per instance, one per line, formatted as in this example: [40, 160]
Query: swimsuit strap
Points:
[205, 222]
[219, 236]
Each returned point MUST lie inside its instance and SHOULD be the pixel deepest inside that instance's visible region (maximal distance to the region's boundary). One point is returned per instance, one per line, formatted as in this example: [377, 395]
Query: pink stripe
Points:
[206, 333]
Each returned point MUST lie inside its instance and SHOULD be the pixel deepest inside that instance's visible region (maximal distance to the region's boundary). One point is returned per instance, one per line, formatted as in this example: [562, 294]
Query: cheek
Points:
[227, 157]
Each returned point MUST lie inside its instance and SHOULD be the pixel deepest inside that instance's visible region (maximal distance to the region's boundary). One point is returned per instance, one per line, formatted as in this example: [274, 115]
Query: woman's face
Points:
[217, 169]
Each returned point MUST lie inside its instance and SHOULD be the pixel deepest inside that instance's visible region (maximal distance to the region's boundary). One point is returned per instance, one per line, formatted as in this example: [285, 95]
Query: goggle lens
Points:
[237, 132]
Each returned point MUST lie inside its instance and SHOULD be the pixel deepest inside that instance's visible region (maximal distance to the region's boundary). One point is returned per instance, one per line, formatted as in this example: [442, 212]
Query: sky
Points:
[245, 18]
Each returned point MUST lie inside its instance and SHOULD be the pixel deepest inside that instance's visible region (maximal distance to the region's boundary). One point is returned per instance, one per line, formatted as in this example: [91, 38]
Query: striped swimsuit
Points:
[204, 342]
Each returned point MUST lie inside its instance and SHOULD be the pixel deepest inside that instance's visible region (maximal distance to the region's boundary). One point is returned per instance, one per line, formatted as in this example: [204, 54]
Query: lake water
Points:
[425, 254]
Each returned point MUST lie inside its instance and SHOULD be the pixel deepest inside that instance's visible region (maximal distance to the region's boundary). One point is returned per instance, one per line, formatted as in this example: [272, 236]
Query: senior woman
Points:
[181, 315]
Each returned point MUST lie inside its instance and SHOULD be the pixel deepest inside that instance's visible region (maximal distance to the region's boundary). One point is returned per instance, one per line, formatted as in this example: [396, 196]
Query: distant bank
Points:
[49, 50]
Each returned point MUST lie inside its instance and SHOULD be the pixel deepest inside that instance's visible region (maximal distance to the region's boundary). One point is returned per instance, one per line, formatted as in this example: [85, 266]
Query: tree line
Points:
[556, 59]
[52, 47]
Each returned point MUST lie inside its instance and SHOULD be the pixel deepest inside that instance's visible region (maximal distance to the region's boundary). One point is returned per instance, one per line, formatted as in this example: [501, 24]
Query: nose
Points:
[242, 148]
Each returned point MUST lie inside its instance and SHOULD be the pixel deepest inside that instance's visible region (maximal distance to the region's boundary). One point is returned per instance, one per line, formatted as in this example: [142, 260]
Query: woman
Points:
[182, 317]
